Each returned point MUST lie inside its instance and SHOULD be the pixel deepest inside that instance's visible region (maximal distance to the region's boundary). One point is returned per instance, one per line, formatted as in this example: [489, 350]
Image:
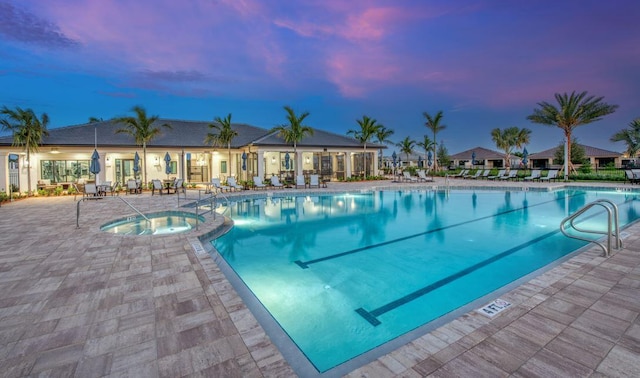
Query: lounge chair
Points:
[257, 183]
[90, 191]
[275, 182]
[473, 176]
[177, 186]
[407, 177]
[551, 175]
[513, 174]
[422, 176]
[461, 174]
[156, 186]
[481, 174]
[300, 181]
[499, 175]
[314, 180]
[215, 183]
[535, 175]
[231, 181]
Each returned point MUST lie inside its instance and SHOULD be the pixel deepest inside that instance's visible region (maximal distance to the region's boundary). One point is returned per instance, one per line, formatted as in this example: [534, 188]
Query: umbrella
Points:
[419, 160]
[473, 158]
[244, 161]
[136, 164]
[394, 157]
[94, 167]
[429, 159]
[286, 160]
[525, 157]
[167, 159]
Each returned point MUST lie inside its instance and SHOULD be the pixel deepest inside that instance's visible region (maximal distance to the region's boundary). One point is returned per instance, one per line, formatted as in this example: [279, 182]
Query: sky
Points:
[486, 64]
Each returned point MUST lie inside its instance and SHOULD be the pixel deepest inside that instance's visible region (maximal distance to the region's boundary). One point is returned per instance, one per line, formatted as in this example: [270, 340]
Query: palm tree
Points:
[433, 124]
[27, 130]
[509, 138]
[141, 129]
[631, 137]
[573, 110]
[369, 127]
[223, 137]
[427, 144]
[406, 146]
[95, 119]
[295, 131]
[382, 137]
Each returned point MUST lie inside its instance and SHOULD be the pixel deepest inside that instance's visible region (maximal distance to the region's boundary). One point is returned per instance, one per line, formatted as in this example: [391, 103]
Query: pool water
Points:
[162, 223]
[344, 274]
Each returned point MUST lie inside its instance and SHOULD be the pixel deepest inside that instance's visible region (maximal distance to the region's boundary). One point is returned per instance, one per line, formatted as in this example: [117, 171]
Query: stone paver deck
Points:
[84, 303]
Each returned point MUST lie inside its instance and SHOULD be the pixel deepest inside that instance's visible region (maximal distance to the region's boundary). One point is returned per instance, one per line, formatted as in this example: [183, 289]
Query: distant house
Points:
[597, 157]
[483, 158]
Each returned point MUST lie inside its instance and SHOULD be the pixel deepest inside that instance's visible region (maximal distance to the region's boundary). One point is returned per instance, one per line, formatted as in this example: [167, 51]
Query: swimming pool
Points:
[165, 222]
[344, 274]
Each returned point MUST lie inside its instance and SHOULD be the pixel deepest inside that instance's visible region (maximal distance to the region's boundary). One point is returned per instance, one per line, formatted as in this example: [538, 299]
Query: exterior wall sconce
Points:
[107, 161]
[307, 160]
[156, 160]
[273, 160]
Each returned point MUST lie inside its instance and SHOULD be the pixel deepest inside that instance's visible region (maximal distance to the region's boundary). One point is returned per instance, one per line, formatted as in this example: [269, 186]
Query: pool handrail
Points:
[105, 197]
[613, 227]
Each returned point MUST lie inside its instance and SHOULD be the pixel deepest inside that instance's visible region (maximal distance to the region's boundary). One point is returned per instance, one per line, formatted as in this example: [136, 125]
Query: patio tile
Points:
[620, 362]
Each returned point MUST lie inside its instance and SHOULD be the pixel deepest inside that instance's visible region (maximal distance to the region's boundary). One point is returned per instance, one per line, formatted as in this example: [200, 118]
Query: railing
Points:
[103, 198]
[613, 227]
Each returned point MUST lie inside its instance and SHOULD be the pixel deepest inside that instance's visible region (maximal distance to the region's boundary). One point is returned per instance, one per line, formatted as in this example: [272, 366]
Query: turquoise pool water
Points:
[166, 222]
[344, 274]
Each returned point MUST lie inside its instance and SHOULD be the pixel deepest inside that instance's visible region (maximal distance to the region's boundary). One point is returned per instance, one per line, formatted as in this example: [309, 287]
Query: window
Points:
[223, 166]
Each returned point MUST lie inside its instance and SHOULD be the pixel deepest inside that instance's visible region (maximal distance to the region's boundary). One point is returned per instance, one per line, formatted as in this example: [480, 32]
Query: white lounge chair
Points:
[407, 177]
[215, 182]
[513, 174]
[314, 180]
[90, 191]
[473, 176]
[535, 175]
[257, 183]
[231, 181]
[461, 174]
[300, 181]
[422, 176]
[275, 182]
[551, 175]
[499, 175]
[133, 187]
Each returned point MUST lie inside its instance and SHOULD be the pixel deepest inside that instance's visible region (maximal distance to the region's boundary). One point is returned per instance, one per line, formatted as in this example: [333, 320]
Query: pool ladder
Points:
[613, 227]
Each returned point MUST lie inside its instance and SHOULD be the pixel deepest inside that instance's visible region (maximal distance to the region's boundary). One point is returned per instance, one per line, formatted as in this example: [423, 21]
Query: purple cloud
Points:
[22, 26]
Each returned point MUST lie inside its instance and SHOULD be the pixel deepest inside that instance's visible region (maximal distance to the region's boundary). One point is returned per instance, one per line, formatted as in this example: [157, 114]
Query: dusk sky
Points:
[484, 63]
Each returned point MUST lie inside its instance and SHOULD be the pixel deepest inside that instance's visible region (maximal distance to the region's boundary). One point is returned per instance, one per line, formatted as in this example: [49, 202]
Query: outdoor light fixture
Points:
[273, 160]
[107, 161]
[55, 151]
[156, 161]
[307, 159]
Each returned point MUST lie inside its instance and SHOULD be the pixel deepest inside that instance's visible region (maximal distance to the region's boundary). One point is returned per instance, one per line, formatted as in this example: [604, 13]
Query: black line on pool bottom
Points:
[305, 264]
[371, 316]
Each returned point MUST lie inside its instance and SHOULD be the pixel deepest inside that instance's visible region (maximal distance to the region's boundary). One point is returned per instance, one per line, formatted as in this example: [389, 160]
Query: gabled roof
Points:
[589, 152]
[481, 154]
[187, 134]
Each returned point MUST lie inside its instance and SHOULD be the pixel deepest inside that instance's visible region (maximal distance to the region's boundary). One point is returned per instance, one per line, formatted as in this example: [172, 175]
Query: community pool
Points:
[166, 222]
[344, 274]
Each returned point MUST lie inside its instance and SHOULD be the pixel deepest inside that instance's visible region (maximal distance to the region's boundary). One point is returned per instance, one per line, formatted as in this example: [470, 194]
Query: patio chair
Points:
[178, 187]
[300, 181]
[484, 174]
[461, 174]
[499, 175]
[257, 183]
[535, 175]
[314, 180]
[473, 176]
[157, 186]
[215, 182]
[231, 181]
[551, 175]
[90, 191]
[407, 177]
[275, 182]
[513, 174]
[133, 187]
[422, 176]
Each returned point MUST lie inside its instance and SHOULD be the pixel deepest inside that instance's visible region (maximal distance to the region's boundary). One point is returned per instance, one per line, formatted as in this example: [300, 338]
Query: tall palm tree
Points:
[434, 124]
[572, 111]
[295, 131]
[382, 137]
[427, 144]
[406, 146]
[28, 131]
[141, 129]
[509, 138]
[369, 127]
[223, 137]
[631, 137]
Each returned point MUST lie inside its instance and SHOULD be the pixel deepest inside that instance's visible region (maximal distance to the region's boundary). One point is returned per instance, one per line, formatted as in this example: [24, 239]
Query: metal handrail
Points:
[613, 226]
[94, 198]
